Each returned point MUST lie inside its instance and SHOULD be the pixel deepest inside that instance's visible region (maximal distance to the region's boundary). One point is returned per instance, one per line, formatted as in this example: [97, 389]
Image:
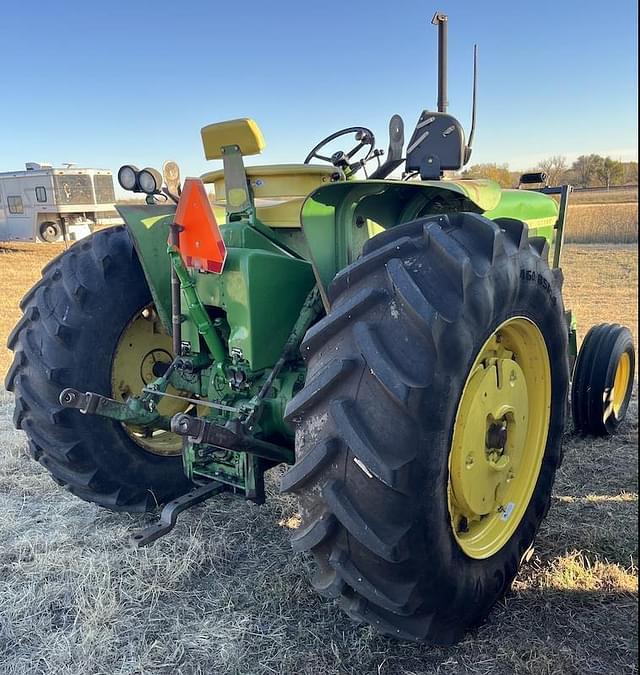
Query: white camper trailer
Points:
[44, 203]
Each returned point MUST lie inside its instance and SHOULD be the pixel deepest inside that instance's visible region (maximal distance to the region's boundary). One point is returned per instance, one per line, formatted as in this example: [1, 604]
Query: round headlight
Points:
[149, 180]
[128, 177]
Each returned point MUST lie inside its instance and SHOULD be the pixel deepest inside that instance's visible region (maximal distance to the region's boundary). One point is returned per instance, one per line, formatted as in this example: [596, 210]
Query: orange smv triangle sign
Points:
[201, 244]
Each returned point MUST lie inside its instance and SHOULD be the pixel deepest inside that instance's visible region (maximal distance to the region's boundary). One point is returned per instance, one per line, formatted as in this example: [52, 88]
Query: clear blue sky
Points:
[105, 83]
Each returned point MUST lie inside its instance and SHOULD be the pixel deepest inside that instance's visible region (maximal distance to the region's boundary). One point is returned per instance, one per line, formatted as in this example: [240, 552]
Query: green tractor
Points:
[401, 342]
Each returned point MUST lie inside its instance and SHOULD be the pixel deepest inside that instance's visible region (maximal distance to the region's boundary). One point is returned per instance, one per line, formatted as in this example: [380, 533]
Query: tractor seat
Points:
[278, 189]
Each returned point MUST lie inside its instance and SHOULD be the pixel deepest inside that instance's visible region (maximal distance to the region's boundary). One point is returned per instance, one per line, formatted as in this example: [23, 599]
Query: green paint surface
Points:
[149, 228]
[262, 293]
[338, 218]
[539, 211]
[261, 289]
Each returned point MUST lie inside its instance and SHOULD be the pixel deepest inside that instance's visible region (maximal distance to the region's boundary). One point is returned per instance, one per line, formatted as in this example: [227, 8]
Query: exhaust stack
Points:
[440, 20]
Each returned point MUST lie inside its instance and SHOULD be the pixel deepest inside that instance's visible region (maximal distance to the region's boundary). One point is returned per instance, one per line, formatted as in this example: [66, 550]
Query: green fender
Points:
[338, 218]
[148, 226]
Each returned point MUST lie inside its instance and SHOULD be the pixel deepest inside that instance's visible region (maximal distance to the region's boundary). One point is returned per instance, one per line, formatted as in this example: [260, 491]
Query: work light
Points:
[128, 177]
[149, 180]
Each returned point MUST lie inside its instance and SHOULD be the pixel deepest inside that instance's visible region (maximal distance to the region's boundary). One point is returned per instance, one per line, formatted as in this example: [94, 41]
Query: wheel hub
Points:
[495, 408]
[499, 437]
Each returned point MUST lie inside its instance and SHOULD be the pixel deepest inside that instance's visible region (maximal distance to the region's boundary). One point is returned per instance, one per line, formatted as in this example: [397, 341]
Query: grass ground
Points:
[224, 593]
[601, 284]
[603, 216]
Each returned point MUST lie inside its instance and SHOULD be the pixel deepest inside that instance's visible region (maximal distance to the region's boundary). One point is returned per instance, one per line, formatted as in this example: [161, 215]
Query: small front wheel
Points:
[603, 379]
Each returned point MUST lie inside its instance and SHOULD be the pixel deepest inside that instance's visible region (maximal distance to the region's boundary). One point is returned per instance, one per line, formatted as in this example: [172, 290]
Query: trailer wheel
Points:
[429, 429]
[50, 231]
[84, 326]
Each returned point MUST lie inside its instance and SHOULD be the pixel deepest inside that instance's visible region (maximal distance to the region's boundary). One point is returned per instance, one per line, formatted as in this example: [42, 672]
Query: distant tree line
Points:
[587, 171]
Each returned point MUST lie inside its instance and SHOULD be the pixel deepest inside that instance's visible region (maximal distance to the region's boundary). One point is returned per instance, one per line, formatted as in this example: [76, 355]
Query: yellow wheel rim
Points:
[621, 383]
[143, 352]
[499, 437]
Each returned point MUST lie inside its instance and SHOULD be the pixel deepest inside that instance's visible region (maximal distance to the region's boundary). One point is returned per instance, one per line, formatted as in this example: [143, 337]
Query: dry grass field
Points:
[603, 196]
[615, 223]
[601, 284]
[224, 593]
[603, 216]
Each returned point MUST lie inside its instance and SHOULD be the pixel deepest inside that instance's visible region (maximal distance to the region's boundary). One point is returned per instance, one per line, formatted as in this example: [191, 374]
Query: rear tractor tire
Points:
[89, 324]
[429, 430]
[603, 379]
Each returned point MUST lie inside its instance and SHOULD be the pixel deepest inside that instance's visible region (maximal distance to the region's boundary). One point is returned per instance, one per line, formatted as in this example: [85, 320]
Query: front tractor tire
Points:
[83, 327]
[429, 430]
[603, 380]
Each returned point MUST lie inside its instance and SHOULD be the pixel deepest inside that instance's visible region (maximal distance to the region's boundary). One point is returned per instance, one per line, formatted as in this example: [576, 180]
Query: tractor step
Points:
[172, 510]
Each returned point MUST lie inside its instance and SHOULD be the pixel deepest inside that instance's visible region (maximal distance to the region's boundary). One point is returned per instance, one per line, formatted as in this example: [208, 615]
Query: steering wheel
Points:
[365, 141]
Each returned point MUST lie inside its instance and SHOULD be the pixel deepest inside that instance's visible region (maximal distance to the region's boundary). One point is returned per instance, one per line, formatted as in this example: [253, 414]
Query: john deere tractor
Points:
[397, 337]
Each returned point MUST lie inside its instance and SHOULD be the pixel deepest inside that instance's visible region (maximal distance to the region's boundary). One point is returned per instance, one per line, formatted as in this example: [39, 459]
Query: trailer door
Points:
[18, 213]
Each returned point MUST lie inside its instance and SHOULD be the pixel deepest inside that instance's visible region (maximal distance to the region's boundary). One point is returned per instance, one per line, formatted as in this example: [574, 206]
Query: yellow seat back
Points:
[243, 132]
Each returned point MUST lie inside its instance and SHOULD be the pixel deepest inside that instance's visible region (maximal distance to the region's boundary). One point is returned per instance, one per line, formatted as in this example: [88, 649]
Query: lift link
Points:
[132, 412]
[230, 437]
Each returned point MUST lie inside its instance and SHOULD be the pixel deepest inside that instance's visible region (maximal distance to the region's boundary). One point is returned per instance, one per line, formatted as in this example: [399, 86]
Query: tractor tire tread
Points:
[71, 296]
[401, 315]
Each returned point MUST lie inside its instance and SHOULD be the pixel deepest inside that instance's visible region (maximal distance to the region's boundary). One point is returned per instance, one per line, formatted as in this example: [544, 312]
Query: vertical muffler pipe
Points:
[440, 20]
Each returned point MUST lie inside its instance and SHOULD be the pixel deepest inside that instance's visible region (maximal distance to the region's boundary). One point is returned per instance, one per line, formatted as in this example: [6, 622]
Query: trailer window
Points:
[15, 205]
[41, 194]
[104, 189]
[73, 189]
